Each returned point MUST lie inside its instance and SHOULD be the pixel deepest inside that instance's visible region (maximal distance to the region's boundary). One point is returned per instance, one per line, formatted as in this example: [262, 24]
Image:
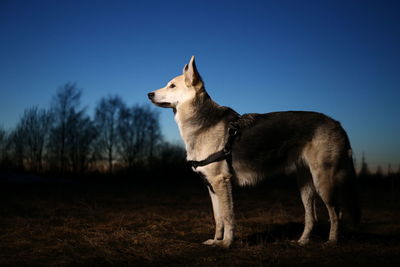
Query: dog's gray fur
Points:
[310, 143]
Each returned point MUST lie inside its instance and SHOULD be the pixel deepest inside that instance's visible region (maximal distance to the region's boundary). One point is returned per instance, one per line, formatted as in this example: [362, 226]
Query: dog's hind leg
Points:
[224, 203]
[308, 194]
[325, 188]
[334, 220]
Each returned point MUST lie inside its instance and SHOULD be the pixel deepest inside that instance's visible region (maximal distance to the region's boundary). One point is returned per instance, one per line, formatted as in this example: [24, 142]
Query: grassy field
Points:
[163, 224]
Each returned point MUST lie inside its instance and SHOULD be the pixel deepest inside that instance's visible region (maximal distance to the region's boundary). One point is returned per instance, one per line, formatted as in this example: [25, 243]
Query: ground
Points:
[160, 223]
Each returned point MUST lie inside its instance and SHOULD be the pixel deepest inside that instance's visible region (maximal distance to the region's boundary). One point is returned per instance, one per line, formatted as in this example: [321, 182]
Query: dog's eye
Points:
[172, 85]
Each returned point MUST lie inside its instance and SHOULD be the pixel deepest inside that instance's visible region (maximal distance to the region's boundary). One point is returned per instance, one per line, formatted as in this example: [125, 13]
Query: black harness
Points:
[224, 154]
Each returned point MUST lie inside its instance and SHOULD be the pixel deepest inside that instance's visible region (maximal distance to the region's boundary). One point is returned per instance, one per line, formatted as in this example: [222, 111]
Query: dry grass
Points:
[164, 225]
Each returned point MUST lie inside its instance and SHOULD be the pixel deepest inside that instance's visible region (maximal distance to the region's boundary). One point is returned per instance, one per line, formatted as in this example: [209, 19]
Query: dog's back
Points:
[276, 142]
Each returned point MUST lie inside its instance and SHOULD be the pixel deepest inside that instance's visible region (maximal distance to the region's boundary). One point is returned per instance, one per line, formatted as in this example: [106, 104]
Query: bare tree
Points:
[127, 135]
[389, 170]
[106, 120]
[139, 132]
[3, 145]
[65, 105]
[379, 171]
[16, 147]
[140, 119]
[32, 133]
[364, 171]
[151, 129]
[81, 136]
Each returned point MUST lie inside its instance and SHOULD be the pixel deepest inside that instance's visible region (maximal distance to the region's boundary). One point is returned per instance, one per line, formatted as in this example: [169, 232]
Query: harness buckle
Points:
[232, 131]
[227, 151]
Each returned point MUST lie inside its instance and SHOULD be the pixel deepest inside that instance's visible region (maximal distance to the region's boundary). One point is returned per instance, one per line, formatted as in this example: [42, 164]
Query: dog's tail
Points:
[353, 206]
[351, 195]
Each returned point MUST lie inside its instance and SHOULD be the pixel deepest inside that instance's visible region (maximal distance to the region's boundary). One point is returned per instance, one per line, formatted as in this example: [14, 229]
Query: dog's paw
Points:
[223, 243]
[303, 242]
[218, 243]
[209, 242]
[331, 243]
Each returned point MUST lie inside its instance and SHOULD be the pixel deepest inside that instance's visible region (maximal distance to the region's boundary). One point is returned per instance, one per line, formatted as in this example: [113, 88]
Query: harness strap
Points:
[224, 154]
[217, 156]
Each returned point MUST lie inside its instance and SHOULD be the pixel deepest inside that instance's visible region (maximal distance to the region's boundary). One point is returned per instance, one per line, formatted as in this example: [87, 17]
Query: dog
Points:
[225, 147]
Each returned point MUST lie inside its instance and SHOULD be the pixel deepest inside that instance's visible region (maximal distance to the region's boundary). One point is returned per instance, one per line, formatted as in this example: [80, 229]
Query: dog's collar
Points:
[225, 153]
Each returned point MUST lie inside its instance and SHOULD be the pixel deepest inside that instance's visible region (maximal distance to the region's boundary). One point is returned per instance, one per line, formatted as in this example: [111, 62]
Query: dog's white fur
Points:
[200, 141]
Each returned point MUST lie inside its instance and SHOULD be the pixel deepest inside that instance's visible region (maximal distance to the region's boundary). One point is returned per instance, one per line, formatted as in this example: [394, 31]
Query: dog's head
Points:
[181, 89]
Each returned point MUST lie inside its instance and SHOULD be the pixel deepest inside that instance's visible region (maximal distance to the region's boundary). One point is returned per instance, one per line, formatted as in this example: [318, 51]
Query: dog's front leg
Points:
[219, 222]
[223, 211]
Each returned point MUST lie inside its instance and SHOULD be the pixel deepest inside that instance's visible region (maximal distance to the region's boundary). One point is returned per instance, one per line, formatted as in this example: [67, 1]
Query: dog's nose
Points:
[150, 95]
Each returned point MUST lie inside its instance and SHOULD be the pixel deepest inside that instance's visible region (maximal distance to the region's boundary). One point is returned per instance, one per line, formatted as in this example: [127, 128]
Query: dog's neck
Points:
[200, 121]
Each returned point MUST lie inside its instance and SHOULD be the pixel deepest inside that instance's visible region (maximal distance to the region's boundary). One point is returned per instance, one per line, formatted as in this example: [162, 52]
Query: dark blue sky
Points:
[341, 58]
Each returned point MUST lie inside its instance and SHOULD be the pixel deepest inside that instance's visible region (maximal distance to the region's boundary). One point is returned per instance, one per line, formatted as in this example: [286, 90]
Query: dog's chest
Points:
[200, 142]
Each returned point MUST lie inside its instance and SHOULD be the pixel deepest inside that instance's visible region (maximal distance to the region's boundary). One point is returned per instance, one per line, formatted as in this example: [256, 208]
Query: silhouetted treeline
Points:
[64, 139]
[379, 174]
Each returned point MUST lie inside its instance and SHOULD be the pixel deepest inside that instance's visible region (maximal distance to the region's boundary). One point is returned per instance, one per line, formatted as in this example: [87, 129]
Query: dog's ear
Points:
[192, 76]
